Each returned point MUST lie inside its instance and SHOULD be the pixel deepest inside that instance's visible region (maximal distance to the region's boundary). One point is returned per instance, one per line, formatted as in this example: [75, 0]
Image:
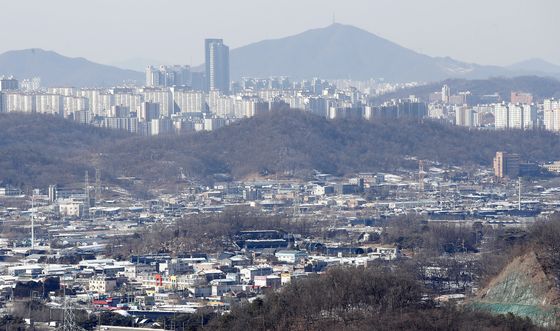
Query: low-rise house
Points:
[248, 274]
[26, 271]
[271, 281]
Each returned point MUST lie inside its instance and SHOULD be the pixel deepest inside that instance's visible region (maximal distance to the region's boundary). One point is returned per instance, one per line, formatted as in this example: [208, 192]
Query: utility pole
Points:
[97, 185]
[519, 193]
[421, 175]
[86, 190]
[32, 221]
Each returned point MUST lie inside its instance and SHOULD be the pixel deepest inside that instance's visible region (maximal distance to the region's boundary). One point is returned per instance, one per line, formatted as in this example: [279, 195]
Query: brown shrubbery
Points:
[358, 299]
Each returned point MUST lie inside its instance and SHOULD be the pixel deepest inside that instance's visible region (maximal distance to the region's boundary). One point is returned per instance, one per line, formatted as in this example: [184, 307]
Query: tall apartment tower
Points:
[217, 66]
[445, 94]
[52, 193]
[152, 76]
[552, 114]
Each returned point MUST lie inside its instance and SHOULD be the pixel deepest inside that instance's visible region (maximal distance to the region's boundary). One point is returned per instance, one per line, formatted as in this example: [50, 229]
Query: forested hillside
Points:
[37, 150]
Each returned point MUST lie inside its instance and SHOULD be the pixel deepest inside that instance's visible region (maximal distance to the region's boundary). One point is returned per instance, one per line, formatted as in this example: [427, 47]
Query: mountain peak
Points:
[337, 25]
[339, 51]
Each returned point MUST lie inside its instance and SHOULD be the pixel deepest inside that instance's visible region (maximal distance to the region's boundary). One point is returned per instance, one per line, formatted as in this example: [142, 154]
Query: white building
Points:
[132, 101]
[515, 116]
[18, 102]
[465, 116]
[148, 111]
[529, 117]
[445, 93]
[74, 104]
[552, 114]
[249, 107]
[501, 116]
[50, 104]
[221, 105]
[248, 274]
[102, 285]
[291, 256]
[213, 123]
[71, 208]
[161, 96]
[189, 101]
[92, 95]
[271, 281]
[161, 126]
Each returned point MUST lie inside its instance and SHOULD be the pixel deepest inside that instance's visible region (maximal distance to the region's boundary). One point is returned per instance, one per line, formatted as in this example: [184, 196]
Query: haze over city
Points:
[291, 165]
[126, 32]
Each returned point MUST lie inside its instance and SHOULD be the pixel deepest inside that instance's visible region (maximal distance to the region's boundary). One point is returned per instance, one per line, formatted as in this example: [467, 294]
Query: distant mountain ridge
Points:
[536, 65]
[343, 51]
[334, 52]
[58, 70]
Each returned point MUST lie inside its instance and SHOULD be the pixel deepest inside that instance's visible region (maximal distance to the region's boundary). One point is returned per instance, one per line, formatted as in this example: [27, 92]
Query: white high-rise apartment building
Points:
[161, 96]
[551, 114]
[188, 101]
[445, 94]
[529, 117]
[465, 116]
[93, 99]
[132, 101]
[501, 116]
[104, 103]
[74, 104]
[152, 76]
[515, 116]
[18, 102]
[50, 104]
[249, 107]
[224, 106]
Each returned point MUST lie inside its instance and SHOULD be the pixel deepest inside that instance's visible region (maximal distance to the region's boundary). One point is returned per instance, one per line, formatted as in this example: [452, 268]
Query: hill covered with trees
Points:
[358, 299]
[38, 150]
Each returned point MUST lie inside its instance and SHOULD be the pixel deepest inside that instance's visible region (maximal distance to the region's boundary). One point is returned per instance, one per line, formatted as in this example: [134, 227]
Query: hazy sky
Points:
[109, 31]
